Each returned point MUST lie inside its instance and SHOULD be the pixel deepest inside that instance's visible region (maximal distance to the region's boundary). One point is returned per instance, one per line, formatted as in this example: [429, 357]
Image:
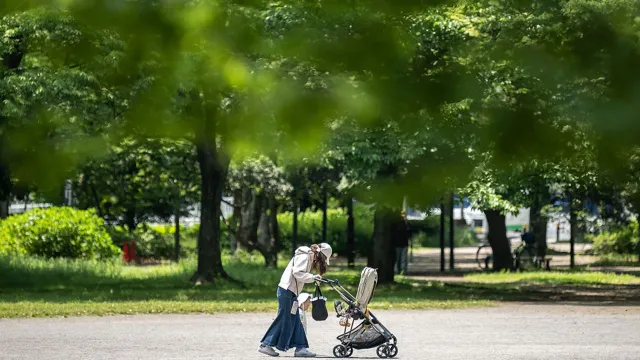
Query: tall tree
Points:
[140, 180]
[54, 107]
[488, 193]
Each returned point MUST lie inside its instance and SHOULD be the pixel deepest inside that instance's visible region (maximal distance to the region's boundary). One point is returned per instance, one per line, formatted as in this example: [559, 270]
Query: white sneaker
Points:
[304, 352]
[268, 350]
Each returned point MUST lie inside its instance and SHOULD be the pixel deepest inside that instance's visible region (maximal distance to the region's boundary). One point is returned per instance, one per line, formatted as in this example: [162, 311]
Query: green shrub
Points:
[8, 243]
[57, 232]
[619, 241]
[310, 229]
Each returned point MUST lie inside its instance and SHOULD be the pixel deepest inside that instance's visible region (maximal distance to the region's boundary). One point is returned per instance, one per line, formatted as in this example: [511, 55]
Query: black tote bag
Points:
[319, 306]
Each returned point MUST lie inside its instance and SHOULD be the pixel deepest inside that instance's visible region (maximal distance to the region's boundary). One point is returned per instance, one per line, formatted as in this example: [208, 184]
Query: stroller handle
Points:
[337, 287]
[328, 281]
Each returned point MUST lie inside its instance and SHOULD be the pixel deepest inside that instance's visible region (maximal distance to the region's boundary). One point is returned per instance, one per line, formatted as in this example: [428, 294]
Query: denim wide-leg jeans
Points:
[286, 331]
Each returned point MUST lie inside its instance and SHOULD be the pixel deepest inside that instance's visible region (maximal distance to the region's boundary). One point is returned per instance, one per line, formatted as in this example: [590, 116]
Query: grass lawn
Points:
[555, 278]
[35, 288]
[569, 286]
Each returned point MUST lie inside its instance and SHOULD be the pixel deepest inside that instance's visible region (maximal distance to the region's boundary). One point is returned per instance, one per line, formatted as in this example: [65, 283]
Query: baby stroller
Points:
[370, 333]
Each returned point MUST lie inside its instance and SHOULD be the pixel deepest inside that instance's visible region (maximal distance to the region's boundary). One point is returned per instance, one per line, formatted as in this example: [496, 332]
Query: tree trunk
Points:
[638, 243]
[573, 230]
[5, 191]
[213, 173]
[442, 243]
[176, 234]
[234, 222]
[275, 227]
[4, 208]
[539, 228]
[383, 255]
[267, 239]
[130, 220]
[294, 231]
[324, 214]
[451, 234]
[259, 226]
[351, 235]
[96, 201]
[249, 219]
[370, 251]
[500, 245]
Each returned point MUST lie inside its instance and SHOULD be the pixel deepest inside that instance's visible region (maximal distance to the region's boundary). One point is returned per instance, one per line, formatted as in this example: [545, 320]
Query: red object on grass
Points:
[125, 252]
[132, 251]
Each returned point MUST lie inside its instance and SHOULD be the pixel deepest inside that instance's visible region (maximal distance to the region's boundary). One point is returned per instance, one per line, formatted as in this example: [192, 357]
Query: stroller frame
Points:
[386, 343]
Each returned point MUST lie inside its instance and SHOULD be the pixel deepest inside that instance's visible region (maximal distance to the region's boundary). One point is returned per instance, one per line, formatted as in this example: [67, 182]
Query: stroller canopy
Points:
[368, 281]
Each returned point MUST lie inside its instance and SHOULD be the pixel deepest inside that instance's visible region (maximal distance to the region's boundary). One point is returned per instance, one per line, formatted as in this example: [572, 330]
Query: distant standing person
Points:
[529, 241]
[403, 236]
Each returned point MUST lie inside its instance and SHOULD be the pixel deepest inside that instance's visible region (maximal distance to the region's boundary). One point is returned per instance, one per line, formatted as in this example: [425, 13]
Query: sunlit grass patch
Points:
[617, 260]
[555, 278]
[25, 309]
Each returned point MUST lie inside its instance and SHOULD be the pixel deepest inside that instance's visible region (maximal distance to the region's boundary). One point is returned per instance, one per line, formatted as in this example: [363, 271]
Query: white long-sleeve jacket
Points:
[297, 271]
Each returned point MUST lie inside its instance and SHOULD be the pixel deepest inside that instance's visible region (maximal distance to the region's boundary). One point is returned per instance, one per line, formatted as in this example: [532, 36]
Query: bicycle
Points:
[484, 256]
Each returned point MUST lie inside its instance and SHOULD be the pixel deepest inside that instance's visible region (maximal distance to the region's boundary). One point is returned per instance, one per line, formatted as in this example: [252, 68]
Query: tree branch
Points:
[235, 206]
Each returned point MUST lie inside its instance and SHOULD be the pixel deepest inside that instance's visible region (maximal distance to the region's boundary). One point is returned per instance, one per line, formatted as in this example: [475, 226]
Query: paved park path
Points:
[509, 332]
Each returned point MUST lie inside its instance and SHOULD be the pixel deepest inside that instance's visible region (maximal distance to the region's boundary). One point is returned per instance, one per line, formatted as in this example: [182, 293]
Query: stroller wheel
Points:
[349, 352]
[392, 350]
[382, 351]
[342, 351]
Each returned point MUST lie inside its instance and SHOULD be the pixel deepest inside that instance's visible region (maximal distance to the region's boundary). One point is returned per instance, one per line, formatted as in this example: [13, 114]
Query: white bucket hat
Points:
[303, 297]
[326, 250]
